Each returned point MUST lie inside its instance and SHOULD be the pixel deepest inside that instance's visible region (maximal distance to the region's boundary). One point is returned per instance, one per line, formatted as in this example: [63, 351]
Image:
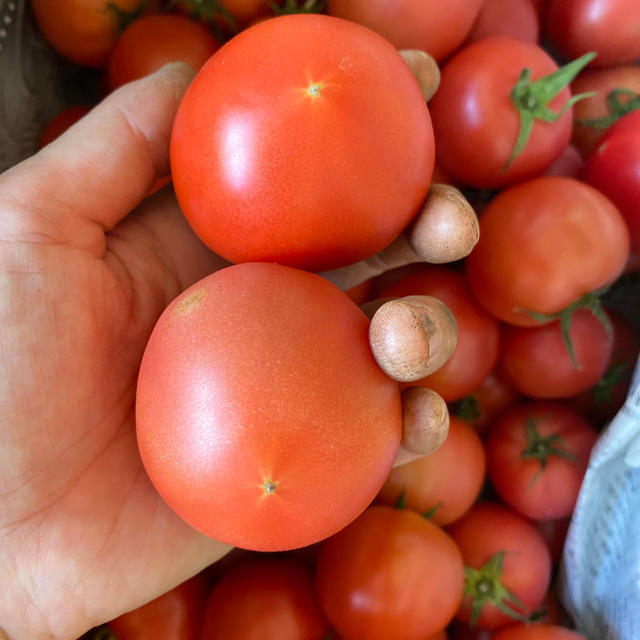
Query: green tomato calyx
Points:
[616, 108]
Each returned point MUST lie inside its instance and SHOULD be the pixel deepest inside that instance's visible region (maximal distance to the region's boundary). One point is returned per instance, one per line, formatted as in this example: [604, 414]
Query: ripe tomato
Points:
[554, 533]
[61, 122]
[446, 482]
[594, 115]
[614, 169]
[537, 362]
[510, 18]
[544, 244]
[390, 575]
[609, 28]
[462, 631]
[477, 124]
[507, 562]
[428, 25]
[537, 632]
[568, 164]
[176, 615]
[153, 41]
[265, 599]
[317, 158]
[478, 333]
[537, 455]
[84, 31]
[263, 419]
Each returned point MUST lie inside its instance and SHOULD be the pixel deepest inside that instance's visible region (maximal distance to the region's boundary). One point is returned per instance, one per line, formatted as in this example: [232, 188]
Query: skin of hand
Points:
[87, 265]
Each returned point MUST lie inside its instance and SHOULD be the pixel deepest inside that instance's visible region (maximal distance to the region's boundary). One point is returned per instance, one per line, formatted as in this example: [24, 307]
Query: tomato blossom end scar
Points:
[314, 89]
[269, 487]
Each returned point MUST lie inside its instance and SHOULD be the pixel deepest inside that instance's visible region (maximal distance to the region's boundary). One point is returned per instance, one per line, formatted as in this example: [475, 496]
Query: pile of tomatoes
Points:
[534, 121]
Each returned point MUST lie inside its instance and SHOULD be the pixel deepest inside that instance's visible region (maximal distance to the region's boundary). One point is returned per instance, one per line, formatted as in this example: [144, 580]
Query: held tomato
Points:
[265, 599]
[543, 245]
[432, 26]
[476, 352]
[317, 158]
[537, 455]
[446, 482]
[390, 575]
[153, 41]
[537, 632]
[262, 417]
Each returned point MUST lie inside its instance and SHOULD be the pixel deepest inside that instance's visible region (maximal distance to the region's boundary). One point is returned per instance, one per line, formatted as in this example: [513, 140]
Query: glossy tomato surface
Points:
[509, 18]
[262, 418]
[390, 575]
[537, 632]
[317, 157]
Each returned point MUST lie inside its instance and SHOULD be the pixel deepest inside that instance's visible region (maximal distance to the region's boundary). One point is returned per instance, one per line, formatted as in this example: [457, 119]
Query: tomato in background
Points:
[262, 417]
[477, 124]
[544, 244]
[505, 556]
[432, 26]
[335, 177]
[265, 599]
[390, 575]
[461, 631]
[594, 115]
[568, 164]
[538, 362]
[537, 632]
[537, 455]
[509, 18]
[609, 28]
[61, 122]
[554, 533]
[476, 352]
[445, 483]
[153, 41]
[614, 169]
[176, 615]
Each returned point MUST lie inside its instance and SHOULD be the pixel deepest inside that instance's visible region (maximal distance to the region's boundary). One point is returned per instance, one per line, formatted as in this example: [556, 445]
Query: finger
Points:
[412, 337]
[425, 70]
[95, 173]
[444, 230]
[426, 424]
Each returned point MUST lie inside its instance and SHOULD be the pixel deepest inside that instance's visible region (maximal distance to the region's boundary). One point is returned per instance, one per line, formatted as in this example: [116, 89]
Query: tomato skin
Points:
[516, 19]
[83, 31]
[475, 123]
[602, 81]
[155, 40]
[476, 352]
[488, 529]
[176, 615]
[613, 169]
[263, 419]
[355, 170]
[568, 164]
[390, 575]
[554, 533]
[537, 632]
[609, 28]
[265, 599]
[539, 492]
[543, 244]
[537, 362]
[428, 25]
[452, 476]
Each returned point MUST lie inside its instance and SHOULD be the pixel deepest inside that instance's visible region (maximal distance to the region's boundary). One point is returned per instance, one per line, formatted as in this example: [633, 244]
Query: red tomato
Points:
[538, 362]
[614, 169]
[554, 533]
[483, 405]
[543, 245]
[537, 632]
[446, 482]
[537, 455]
[176, 615]
[292, 161]
[476, 122]
[462, 631]
[505, 556]
[609, 28]
[594, 115]
[153, 41]
[265, 599]
[390, 575]
[568, 164]
[61, 122]
[262, 417]
[362, 292]
[510, 18]
[84, 31]
[435, 27]
[478, 333]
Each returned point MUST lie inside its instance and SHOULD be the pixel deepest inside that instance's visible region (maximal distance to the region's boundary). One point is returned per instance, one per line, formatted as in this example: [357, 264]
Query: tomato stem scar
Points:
[314, 89]
[269, 487]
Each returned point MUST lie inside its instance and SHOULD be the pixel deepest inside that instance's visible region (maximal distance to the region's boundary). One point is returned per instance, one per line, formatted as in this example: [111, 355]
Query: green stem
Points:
[616, 108]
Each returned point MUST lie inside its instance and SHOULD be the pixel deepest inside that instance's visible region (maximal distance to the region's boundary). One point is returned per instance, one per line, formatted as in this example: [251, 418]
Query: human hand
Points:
[83, 534]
